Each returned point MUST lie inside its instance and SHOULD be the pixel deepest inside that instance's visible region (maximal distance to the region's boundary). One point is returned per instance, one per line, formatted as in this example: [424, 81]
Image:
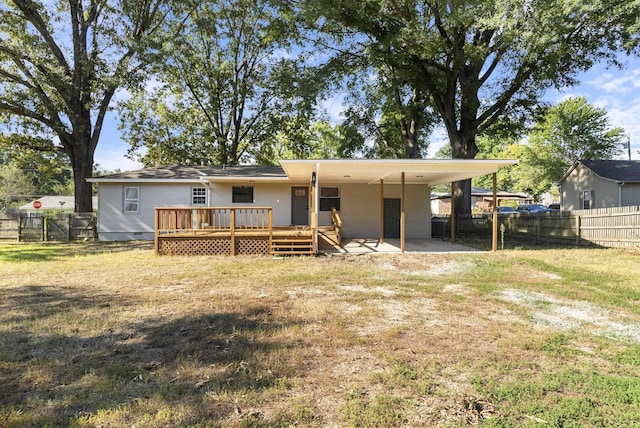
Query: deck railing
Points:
[177, 220]
[184, 222]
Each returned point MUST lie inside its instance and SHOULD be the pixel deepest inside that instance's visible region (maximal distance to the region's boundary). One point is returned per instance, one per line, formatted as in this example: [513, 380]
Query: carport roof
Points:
[370, 171]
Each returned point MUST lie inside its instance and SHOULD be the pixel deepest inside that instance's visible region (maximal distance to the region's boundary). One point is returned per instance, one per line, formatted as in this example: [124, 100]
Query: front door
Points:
[392, 218]
[300, 206]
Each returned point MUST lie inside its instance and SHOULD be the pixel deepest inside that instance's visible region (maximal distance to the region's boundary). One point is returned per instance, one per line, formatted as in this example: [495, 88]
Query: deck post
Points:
[453, 213]
[232, 224]
[270, 214]
[494, 226]
[402, 217]
[157, 230]
[381, 211]
[316, 209]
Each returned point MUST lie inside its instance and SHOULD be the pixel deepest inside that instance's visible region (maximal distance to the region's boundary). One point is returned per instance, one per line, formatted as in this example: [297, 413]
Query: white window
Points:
[131, 200]
[587, 197]
[198, 196]
[329, 198]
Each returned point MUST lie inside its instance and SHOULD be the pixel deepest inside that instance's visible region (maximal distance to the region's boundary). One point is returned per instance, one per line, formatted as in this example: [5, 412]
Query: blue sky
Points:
[617, 91]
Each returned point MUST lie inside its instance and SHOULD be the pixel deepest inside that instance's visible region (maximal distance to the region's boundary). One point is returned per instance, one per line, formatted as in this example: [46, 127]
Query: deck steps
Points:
[328, 239]
[292, 245]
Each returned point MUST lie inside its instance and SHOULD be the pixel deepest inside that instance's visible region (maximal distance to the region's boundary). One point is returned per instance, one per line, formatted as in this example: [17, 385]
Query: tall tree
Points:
[569, 131]
[48, 172]
[61, 63]
[481, 59]
[385, 116]
[226, 85]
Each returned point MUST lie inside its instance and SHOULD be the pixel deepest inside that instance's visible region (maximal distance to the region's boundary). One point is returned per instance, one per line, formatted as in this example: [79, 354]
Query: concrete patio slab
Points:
[367, 246]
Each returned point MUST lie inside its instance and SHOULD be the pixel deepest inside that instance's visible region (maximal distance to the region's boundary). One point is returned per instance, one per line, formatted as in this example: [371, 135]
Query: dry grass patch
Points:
[109, 335]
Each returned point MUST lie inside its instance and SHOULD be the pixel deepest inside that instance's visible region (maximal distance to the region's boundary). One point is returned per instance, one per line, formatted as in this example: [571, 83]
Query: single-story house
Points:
[590, 184]
[481, 200]
[63, 204]
[374, 198]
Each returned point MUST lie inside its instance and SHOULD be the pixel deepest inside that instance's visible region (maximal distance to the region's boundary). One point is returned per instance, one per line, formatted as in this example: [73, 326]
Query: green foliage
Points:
[385, 117]
[61, 63]
[47, 170]
[320, 140]
[16, 188]
[477, 61]
[572, 130]
[225, 87]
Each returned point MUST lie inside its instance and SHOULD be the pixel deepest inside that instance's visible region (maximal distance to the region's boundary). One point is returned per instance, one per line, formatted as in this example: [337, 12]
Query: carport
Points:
[380, 172]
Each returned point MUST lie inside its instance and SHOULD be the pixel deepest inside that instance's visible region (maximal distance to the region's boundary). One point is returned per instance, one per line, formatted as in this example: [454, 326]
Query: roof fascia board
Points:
[143, 180]
[213, 179]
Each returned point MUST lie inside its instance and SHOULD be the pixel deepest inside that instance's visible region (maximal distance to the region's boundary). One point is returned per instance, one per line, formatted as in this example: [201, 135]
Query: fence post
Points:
[578, 232]
[538, 228]
[19, 226]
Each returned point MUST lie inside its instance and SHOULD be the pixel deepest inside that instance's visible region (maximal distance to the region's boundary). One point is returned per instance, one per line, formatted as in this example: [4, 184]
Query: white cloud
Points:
[623, 82]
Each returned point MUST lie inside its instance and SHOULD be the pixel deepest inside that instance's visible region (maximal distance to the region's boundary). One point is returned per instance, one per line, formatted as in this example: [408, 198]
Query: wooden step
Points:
[292, 245]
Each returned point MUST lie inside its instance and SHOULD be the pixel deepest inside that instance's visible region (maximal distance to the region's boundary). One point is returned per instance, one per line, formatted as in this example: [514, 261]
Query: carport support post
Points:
[316, 209]
[381, 211]
[494, 226]
[453, 212]
[402, 220]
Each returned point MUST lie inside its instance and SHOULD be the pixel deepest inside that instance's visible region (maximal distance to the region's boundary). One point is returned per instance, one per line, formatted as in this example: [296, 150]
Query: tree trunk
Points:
[81, 156]
[463, 146]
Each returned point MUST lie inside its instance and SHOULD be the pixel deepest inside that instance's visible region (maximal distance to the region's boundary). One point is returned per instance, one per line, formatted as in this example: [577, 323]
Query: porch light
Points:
[313, 178]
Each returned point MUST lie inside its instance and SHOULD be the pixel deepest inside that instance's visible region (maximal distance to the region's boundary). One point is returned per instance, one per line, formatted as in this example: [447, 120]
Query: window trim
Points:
[126, 200]
[204, 195]
[248, 194]
[326, 200]
[587, 196]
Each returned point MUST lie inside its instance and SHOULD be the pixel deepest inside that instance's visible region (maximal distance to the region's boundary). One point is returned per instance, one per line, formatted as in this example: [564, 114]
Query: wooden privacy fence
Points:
[49, 227]
[606, 227]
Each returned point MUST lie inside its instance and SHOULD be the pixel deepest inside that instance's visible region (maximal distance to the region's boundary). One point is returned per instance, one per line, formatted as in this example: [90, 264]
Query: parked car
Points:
[554, 207]
[533, 208]
[506, 210]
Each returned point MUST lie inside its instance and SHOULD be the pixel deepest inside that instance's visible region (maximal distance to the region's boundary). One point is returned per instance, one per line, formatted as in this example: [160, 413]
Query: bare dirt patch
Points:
[562, 314]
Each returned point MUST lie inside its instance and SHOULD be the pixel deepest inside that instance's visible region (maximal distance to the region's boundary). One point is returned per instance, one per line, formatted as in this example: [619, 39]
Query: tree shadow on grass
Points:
[50, 251]
[50, 378]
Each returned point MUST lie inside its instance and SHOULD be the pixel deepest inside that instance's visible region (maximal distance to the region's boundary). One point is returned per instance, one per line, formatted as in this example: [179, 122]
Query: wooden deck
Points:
[227, 231]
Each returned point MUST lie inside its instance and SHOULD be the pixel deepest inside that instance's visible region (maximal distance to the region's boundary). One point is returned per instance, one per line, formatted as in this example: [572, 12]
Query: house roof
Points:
[172, 173]
[625, 171]
[480, 191]
[417, 171]
[53, 203]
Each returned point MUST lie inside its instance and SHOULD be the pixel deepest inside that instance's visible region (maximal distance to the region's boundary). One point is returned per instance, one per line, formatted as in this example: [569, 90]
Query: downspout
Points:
[209, 186]
[620, 184]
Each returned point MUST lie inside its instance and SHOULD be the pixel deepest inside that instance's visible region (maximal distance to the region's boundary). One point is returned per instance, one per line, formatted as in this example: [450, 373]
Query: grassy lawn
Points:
[110, 335]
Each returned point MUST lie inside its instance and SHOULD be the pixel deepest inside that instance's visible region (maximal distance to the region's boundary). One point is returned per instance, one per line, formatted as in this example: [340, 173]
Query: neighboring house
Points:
[370, 194]
[63, 204]
[592, 184]
[481, 200]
